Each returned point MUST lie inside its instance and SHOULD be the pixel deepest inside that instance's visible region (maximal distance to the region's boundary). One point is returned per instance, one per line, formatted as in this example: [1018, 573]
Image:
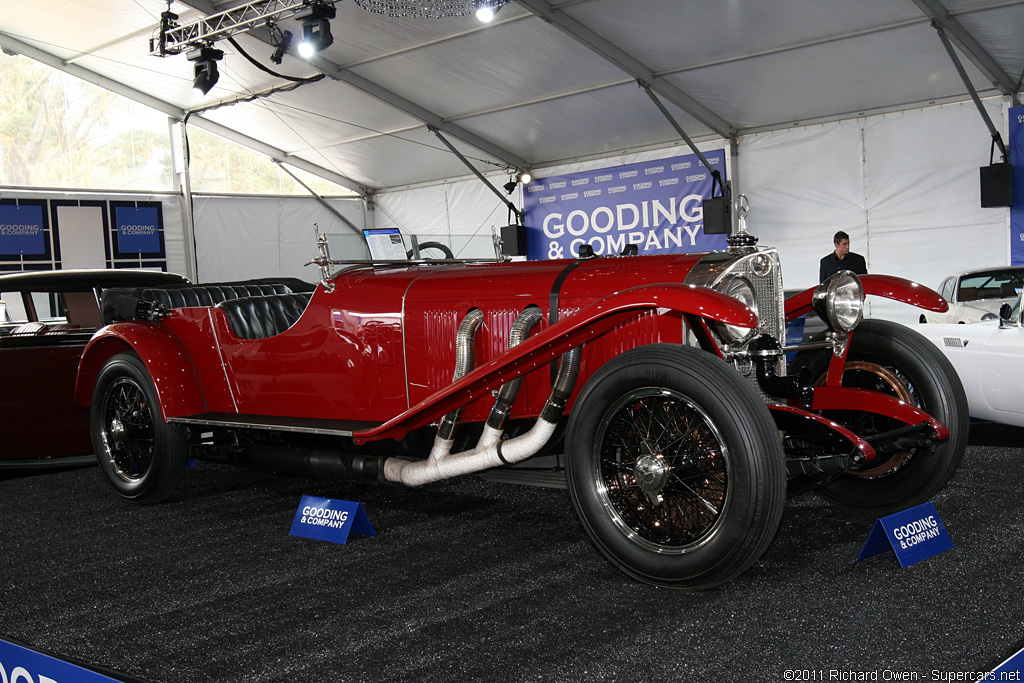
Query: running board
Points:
[275, 424]
[40, 463]
[549, 479]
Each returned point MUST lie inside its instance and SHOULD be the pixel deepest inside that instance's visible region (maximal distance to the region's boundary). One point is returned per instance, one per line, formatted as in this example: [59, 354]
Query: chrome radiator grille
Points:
[762, 268]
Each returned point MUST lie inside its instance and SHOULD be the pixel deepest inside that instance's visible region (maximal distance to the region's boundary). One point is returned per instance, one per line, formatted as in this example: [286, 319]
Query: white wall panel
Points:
[904, 186]
[81, 236]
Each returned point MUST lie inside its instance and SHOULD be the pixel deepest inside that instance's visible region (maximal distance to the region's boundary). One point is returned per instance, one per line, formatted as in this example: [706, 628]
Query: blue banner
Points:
[655, 205]
[327, 519]
[21, 230]
[1017, 163]
[138, 230]
[914, 534]
[21, 665]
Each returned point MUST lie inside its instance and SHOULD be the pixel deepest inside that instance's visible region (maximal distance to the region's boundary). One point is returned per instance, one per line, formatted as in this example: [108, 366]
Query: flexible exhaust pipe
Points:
[464, 361]
[498, 418]
[485, 456]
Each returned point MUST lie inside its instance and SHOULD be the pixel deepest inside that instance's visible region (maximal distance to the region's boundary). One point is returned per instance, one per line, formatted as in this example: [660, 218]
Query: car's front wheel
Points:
[675, 467]
[140, 455]
[892, 359]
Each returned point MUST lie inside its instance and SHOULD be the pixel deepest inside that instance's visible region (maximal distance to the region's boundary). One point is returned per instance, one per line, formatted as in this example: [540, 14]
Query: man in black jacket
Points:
[841, 259]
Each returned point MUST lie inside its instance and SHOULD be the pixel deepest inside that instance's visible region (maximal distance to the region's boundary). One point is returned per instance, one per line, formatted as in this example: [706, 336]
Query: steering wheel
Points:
[436, 246]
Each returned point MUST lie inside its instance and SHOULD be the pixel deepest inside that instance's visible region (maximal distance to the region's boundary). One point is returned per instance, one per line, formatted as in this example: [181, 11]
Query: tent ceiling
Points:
[546, 82]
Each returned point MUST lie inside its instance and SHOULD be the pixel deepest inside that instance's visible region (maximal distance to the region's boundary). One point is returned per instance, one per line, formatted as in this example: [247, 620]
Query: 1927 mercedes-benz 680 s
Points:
[662, 382]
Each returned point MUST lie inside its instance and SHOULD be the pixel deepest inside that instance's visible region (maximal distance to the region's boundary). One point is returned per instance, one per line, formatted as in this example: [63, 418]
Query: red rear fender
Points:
[174, 378]
[887, 286]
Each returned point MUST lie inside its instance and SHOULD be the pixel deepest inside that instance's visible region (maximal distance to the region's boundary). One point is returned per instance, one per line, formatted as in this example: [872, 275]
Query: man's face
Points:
[842, 248]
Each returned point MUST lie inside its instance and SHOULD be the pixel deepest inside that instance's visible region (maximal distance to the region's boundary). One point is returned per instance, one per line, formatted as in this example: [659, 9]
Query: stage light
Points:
[205, 72]
[485, 11]
[281, 47]
[510, 186]
[525, 177]
[316, 30]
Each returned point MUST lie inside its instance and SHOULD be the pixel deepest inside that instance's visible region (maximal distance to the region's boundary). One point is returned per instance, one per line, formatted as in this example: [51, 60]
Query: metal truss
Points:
[173, 39]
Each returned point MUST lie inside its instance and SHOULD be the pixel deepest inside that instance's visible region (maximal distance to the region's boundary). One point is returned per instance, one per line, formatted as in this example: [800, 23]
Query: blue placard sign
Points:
[138, 230]
[21, 230]
[1016, 146]
[1014, 664]
[327, 519]
[656, 205]
[21, 665]
[914, 534]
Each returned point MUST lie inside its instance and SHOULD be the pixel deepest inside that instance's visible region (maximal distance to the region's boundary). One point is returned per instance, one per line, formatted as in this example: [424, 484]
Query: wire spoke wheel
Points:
[127, 430]
[675, 467]
[874, 375]
[892, 359]
[141, 456]
[663, 469]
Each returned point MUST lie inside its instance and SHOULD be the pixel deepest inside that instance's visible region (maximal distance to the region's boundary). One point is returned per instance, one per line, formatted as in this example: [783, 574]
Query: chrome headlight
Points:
[741, 289]
[839, 301]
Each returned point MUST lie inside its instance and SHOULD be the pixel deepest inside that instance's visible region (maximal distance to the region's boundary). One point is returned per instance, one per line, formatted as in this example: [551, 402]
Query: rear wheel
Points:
[140, 455]
[675, 467]
[893, 359]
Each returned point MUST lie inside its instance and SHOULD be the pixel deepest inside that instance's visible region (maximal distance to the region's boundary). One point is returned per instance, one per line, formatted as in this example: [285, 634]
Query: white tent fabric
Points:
[848, 115]
[246, 237]
[904, 185]
[547, 83]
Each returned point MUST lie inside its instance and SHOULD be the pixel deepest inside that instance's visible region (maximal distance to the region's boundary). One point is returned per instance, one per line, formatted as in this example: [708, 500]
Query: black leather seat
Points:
[257, 317]
[118, 304]
[209, 295]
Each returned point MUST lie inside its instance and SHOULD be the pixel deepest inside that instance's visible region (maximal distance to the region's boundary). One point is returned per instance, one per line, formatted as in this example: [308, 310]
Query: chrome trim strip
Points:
[220, 354]
[255, 425]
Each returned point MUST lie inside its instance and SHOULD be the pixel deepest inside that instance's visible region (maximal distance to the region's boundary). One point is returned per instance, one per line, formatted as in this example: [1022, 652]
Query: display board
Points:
[655, 205]
[385, 244]
[58, 234]
[1017, 163]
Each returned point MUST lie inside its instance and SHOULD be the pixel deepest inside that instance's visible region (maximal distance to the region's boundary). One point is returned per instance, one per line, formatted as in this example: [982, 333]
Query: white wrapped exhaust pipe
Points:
[491, 451]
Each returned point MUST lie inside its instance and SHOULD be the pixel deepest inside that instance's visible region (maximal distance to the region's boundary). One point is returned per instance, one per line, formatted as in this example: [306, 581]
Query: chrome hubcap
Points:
[651, 473]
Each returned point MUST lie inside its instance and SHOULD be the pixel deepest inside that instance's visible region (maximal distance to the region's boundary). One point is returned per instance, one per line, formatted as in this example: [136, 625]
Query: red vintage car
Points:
[660, 384]
[46, 319]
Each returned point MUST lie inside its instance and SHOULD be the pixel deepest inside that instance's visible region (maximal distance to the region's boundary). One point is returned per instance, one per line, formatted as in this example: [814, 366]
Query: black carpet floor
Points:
[473, 581]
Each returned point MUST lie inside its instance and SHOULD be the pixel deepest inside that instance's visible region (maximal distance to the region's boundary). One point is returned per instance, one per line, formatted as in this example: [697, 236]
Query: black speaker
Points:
[996, 185]
[716, 216]
[513, 240]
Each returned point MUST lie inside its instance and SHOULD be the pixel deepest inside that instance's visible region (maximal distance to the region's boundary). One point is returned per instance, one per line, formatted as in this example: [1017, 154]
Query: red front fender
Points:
[175, 380]
[588, 323]
[886, 286]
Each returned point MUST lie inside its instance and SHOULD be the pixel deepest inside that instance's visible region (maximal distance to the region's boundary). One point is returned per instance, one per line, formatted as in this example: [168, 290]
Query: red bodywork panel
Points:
[380, 348]
[172, 369]
[384, 339]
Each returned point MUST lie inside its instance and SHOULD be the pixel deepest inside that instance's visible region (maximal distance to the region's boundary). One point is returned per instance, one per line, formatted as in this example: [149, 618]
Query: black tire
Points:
[437, 246]
[139, 454]
[889, 357]
[716, 467]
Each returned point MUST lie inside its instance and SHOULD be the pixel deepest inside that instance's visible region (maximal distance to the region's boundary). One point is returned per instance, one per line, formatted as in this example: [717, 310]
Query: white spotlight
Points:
[485, 11]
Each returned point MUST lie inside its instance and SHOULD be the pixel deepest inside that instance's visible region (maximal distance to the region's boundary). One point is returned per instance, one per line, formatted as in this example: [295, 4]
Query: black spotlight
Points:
[206, 74]
[316, 30]
[281, 47]
[510, 186]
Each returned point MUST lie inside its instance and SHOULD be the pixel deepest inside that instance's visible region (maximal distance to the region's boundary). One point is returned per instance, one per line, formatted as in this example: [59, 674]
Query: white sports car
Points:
[989, 357]
[977, 294]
